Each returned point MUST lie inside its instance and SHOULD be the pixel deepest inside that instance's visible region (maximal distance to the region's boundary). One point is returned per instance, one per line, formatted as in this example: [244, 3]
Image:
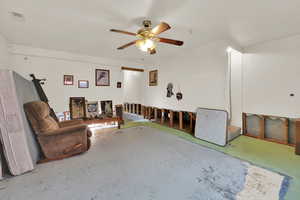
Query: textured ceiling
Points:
[82, 26]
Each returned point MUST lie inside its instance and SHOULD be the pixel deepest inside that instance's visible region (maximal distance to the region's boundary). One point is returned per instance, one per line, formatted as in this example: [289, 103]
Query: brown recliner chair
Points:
[57, 140]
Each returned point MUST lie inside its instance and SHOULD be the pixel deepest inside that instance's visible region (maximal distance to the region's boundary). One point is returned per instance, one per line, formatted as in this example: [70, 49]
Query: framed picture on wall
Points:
[83, 84]
[92, 109]
[119, 84]
[77, 107]
[106, 107]
[68, 80]
[102, 77]
[153, 78]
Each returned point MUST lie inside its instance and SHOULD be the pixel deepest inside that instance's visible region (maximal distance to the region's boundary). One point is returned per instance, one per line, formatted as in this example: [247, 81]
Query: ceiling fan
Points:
[147, 37]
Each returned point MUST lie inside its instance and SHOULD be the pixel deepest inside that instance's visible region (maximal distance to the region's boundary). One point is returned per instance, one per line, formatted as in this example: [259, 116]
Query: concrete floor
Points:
[141, 163]
[269, 155]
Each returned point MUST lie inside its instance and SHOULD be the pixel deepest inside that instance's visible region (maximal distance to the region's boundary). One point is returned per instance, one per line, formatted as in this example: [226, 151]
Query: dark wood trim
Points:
[286, 130]
[244, 118]
[147, 112]
[162, 119]
[191, 120]
[262, 127]
[119, 114]
[171, 118]
[150, 109]
[297, 151]
[125, 107]
[155, 114]
[132, 69]
[142, 110]
[180, 120]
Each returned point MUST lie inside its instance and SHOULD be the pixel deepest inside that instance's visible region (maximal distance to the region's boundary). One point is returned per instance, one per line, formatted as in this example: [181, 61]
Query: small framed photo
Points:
[106, 107]
[68, 80]
[92, 109]
[153, 78]
[102, 77]
[119, 84]
[77, 107]
[83, 84]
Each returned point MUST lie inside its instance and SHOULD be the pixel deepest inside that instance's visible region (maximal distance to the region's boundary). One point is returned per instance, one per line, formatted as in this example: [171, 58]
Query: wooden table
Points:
[104, 120]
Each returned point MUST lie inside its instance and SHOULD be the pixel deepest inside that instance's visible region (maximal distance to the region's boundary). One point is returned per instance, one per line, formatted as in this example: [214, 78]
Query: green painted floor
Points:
[273, 156]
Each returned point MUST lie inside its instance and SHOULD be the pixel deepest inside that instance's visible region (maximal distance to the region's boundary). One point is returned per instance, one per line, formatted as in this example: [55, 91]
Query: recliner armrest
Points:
[65, 130]
[74, 122]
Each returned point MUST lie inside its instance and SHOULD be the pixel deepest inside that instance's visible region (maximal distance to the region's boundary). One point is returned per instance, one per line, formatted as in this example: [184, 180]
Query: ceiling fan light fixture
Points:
[146, 44]
[147, 37]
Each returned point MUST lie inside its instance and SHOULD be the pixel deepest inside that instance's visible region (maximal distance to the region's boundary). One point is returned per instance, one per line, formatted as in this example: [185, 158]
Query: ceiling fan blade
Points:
[170, 41]
[124, 32]
[162, 27]
[152, 51]
[127, 45]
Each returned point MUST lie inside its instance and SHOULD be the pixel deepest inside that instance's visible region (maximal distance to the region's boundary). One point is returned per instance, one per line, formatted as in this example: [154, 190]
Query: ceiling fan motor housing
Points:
[147, 23]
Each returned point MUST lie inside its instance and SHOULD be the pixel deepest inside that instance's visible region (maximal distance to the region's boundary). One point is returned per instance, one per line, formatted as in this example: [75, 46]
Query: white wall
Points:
[4, 55]
[200, 74]
[236, 94]
[133, 84]
[52, 65]
[271, 74]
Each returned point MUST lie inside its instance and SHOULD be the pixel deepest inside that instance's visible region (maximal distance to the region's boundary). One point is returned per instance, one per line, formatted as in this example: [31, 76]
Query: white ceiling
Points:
[82, 26]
